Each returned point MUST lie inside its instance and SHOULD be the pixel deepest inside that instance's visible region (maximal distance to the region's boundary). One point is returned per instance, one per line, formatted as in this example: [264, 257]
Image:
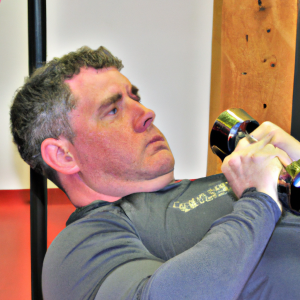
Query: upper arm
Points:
[86, 252]
[128, 280]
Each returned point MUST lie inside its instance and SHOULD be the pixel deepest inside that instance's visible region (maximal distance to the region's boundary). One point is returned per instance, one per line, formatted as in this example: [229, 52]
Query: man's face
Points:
[116, 145]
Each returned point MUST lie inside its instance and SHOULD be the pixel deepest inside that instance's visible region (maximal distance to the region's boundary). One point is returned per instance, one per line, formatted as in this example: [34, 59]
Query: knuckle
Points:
[224, 168]
[225, 161]
[270, 147]
[225, 165]
[234, 161]
[269, 128]
[241, 144]
[255, 157]
[268, 124]
[244, 158]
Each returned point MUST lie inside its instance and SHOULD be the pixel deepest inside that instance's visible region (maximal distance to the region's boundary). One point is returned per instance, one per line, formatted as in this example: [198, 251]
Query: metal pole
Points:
[295, 129]
[38, 183]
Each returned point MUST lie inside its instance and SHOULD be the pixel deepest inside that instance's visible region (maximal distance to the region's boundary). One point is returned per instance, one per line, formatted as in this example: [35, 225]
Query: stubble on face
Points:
[113, 147]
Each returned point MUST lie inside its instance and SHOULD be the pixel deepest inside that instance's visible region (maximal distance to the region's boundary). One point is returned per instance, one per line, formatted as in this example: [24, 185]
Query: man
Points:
[137, 233]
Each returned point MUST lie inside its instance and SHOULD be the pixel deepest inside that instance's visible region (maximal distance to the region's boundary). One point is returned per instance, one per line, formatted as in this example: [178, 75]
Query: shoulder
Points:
[87, 250]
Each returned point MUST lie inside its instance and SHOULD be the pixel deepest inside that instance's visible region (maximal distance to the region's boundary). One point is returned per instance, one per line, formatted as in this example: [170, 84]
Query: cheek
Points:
[118, 142]
[105, 148]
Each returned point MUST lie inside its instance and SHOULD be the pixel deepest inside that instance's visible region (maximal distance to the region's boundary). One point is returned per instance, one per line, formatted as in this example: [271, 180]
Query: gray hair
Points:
[40, 107]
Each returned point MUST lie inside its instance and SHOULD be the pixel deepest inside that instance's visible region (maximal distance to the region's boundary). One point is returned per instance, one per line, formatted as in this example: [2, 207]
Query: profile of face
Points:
[116, 144]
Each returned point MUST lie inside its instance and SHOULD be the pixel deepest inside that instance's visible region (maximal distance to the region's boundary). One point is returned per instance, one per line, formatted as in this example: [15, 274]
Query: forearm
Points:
[219, 266]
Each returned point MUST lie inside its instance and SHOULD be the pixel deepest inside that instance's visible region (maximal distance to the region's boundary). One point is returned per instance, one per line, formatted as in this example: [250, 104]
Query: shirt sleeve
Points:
[87, 251]
[217, 267]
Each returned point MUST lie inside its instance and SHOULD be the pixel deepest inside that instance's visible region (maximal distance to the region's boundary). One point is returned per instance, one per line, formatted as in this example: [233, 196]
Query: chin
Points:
[156, 183]
[165, 168]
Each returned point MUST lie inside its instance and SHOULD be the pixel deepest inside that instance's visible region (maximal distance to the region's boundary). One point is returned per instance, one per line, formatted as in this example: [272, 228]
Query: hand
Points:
[278, 138]
[256, 165]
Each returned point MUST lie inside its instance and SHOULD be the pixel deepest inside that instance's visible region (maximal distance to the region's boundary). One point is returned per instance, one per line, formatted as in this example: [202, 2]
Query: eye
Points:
[113, 111]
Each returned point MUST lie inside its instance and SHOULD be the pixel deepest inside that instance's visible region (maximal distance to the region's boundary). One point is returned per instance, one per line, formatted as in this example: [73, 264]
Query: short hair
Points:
[40, 107]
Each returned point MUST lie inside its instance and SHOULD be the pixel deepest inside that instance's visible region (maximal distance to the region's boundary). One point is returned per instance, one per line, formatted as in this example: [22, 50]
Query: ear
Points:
[56, 154]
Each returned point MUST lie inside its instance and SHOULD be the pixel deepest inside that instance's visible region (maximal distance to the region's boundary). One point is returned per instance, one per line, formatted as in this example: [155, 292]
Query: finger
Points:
[254, 147]
[263, 130]
[242, 144]
[283, 157]
[247, 140]
[232, 163]
[272, 152]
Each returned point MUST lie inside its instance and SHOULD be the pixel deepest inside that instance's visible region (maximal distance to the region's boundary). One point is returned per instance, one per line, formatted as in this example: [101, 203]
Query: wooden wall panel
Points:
[257, 59]
[213, 162]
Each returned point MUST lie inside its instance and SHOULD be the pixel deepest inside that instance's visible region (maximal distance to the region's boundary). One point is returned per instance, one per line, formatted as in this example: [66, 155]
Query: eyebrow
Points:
[113, 99]
[109, 101]
[134, 91]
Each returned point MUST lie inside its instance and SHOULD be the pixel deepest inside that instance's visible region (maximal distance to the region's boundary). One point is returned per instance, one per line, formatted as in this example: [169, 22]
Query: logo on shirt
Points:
[207, 196]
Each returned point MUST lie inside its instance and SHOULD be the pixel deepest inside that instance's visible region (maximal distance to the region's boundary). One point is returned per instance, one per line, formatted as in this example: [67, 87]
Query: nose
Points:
[144, 117]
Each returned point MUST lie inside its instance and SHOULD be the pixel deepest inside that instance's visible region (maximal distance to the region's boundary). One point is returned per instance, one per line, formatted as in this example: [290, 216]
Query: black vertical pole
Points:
[295, 129]
[38, 183]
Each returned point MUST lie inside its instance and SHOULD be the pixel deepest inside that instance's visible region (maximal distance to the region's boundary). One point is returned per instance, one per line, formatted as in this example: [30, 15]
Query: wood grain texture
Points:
[258, 41]
[213, 162]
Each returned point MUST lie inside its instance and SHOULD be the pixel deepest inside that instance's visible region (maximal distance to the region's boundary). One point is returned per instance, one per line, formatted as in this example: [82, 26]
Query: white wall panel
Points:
[165, 47]
[14, 173]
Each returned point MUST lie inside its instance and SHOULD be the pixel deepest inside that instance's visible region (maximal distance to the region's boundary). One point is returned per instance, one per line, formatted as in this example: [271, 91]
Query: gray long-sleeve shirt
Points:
[190, 240]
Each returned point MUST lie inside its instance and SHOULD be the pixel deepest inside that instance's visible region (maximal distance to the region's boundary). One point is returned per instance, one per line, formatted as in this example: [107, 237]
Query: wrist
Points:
[252, 192]
[274, 196]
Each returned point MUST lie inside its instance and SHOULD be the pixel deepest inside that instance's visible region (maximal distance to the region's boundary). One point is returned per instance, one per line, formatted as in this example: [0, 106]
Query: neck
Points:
[81, 194]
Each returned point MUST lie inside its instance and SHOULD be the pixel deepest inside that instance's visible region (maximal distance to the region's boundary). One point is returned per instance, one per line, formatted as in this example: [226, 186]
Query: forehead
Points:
[91, 83]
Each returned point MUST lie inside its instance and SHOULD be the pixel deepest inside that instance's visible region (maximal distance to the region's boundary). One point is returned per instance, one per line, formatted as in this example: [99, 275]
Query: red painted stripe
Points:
[17, 197]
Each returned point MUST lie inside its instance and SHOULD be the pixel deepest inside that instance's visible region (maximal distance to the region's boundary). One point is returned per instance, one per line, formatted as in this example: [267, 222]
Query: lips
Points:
[157, 138]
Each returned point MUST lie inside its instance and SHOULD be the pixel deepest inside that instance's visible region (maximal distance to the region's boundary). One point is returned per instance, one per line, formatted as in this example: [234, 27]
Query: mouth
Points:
[155, 139]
